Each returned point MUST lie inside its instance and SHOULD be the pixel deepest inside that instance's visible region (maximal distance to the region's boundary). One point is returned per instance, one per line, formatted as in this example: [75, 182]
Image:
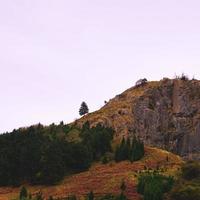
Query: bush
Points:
[186, 192]
[153, 186]
[191, 170]
[108, 197]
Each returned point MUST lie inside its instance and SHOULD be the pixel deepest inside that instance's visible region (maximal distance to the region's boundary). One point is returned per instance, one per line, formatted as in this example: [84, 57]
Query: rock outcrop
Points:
[165, 114]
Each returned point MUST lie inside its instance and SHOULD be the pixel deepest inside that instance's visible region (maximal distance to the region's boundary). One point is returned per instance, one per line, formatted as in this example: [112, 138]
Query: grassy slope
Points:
[103, 179]
[122, 101]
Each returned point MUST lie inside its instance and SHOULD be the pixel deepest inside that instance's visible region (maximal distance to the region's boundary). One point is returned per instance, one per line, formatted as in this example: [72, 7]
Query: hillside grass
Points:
[119, 102]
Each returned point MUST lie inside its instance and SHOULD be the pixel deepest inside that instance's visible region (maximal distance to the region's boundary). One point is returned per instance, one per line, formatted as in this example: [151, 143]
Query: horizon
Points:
[54, 55]
[67, 122]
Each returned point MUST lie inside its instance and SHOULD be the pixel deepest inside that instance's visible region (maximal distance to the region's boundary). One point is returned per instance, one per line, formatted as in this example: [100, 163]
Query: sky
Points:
[54, 54]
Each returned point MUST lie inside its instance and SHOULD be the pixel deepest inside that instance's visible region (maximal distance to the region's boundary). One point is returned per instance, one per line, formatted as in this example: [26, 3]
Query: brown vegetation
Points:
[103, 179]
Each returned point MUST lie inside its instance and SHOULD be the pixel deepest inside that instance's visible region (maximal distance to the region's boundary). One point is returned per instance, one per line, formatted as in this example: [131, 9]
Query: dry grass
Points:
[120, 102]
[103, 179]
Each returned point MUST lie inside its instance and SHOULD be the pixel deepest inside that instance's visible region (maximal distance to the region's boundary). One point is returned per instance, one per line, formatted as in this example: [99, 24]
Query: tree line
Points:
[24, 194]
[42, 155]
[129, 149]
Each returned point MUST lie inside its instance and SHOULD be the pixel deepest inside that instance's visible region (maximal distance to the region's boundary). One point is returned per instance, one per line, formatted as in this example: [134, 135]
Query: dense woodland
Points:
[43, 155]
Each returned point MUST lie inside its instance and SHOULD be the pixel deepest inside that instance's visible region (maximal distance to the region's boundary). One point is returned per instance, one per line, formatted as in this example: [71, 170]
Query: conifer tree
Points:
[91, 196]
[121, 197]
[23, 193]
[83, 109]
[122, 148]
[128, 150]
[153, 191]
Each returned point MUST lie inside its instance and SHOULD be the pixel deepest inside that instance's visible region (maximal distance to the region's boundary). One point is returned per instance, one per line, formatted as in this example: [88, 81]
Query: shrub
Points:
[153, 185]
[191, 170]
[108, 197]
[90, 196]
[186, 192]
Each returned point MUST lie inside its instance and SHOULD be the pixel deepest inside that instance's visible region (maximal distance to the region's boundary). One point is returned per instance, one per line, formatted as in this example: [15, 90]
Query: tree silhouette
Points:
[23, 193]
[83, 109]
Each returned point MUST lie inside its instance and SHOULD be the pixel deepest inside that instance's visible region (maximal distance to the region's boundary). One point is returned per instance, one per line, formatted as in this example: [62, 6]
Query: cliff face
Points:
[165, 114]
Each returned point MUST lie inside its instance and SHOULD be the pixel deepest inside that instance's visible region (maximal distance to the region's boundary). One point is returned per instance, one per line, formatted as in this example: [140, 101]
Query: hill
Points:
[105, 178]
[165, 114]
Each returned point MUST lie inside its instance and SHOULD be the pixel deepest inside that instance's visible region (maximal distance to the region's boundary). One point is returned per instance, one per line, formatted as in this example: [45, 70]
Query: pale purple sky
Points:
[56, 53]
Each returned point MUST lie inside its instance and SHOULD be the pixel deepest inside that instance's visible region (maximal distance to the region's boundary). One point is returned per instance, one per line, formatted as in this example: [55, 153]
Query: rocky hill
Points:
[164, 114]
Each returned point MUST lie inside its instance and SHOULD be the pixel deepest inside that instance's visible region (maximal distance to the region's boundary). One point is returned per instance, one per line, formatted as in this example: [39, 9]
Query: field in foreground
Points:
[105, 178]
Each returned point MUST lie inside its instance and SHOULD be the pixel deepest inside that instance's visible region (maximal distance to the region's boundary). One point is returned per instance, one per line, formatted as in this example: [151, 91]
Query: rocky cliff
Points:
[165, 114]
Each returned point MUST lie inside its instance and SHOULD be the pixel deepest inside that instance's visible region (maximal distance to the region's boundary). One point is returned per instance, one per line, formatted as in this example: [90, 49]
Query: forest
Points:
[43, 155]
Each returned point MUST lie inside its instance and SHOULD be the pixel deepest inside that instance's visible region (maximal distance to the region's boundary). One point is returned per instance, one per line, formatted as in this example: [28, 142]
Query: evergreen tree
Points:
[123, 150]
[83, 109]
[153, 191]
[23, 193]
[128, 150]
[137, 150]
[42, 155]
[121, 197]
[128, 147]
[90, 196]
[123, 186]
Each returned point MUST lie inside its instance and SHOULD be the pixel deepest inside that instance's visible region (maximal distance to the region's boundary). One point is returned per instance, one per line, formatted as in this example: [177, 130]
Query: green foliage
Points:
[78, 157]
[97, 139]
[153, 185]
[129, 150]
[42, 155]
[186, 192]
[90, 196]
[153, 192]
[83, 109]
[104, 160]
[108, 197]
[191, 170]
[122, 196]
[187, 186]
[23, 193]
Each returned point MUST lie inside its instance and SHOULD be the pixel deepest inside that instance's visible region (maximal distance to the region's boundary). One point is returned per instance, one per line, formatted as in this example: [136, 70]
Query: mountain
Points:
[74, 159]
[164, 114]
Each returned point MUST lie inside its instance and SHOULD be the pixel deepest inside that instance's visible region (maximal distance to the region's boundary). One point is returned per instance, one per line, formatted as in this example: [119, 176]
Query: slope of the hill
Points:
[105, 179]
[165, 114]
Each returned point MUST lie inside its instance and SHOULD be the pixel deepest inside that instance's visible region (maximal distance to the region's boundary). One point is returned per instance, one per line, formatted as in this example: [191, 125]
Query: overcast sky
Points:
[54, 54]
